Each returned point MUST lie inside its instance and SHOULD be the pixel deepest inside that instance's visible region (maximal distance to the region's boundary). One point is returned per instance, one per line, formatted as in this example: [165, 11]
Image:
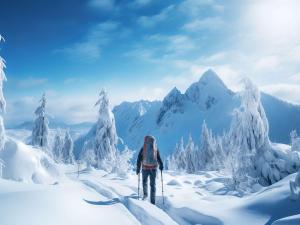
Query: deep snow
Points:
[27, 164]
[96, 197]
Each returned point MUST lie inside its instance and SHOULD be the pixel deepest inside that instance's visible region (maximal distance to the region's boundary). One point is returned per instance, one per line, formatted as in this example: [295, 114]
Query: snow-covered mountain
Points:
[181, 114]
[54, 123]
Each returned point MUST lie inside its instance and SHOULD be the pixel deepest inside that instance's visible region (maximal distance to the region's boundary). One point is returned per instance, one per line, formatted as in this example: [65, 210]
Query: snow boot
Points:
[145, 197]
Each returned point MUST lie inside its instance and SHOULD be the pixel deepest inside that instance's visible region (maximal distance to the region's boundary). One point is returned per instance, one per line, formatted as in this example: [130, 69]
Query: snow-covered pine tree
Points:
[249, 138]
[294, 162]
[190, 153]
[58, 146]
[207, 149]
[40, 130]
[171, 161]
[123, 164]
[295, 141]
[67, 150]
[2, 100]
[219, 155]
[88, 155]
[177, 160]
[250, 128]
[106, 136]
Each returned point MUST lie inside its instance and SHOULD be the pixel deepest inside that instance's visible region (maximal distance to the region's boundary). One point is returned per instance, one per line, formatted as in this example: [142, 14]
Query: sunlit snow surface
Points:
[51, 194]
[96, 197]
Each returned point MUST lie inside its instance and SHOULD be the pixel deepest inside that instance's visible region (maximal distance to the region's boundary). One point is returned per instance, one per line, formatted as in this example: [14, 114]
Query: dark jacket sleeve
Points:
[161, 165]
[139, 160]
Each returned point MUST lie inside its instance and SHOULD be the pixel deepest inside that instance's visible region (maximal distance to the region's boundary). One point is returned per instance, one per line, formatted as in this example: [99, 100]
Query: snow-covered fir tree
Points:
[248, 135]
[180, 155]
[207, 149]
[2, 100]
[88, 154]
[123, 163]
[177, 160]
[252, 154]
[40, 129]
[67, 150]
[219, 155]
[295, 141]
[190, 152]
[106, 136]
[192, 158]
[250, 128]
[58, 146]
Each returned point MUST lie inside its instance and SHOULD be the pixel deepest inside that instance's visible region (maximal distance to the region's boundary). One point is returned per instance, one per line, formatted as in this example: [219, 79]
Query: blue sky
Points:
[140, 49]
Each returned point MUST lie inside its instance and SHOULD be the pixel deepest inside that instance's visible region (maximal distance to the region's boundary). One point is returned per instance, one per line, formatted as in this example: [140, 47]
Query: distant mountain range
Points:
[54, 123]
[181, 114]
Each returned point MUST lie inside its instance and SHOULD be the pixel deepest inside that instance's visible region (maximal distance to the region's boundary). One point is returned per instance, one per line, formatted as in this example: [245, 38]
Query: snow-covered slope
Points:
[181, 114]
[99, 198]
[283, 117]
[209, 91]
[27, 164]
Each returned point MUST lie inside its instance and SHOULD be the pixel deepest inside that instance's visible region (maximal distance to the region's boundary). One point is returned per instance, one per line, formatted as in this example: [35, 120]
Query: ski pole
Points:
[162, 187]
[138, 186]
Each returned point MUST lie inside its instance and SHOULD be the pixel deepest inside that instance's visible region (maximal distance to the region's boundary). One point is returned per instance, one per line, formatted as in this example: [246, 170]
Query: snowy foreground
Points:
[96, 197]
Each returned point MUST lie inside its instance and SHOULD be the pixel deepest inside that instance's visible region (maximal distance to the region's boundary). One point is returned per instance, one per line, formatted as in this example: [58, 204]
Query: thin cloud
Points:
[150, 21]
[157, 48]
[269, 62]
[295, 78]
[31, 82]
[91, 47]
[73, 80]
[102, 4]
[209, 23]
[194, 8]
[140, 3]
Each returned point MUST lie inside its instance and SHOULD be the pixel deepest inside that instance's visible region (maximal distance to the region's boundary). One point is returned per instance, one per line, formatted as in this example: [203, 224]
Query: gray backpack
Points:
[149, 153]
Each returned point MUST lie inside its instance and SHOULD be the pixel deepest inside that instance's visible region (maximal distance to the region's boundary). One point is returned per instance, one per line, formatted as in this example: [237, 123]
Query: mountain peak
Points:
[173, 102]
[174, 91]
[210, 76]
[208, 90]
[173, 97]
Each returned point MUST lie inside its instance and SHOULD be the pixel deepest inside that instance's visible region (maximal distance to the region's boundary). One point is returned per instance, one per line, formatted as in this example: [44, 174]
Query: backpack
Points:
[149, 153]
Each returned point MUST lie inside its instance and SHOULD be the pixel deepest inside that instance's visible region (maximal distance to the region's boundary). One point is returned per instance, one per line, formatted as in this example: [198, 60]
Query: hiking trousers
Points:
[152, 174]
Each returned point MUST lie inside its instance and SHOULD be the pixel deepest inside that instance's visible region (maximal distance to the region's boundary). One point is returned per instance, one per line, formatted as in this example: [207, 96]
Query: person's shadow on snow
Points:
[112, 201]
[109, 202]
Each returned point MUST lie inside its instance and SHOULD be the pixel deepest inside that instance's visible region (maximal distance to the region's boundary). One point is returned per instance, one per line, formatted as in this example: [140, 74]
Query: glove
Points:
[161, 167]
[137, 171]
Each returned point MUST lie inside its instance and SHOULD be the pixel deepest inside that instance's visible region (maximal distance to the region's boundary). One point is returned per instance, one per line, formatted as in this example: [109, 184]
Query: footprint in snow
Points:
[187, 182]
[198, 183]
[174, 183]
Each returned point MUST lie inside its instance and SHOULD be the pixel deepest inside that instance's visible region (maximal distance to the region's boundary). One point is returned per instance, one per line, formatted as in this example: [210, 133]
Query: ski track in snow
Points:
[96, 197]
[137, 208]
[145, 212]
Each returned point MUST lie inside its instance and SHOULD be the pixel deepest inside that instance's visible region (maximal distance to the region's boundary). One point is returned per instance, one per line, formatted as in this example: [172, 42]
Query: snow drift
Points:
[27, 164]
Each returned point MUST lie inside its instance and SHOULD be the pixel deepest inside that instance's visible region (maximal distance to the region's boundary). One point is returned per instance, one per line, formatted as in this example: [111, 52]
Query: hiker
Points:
[149, 159]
